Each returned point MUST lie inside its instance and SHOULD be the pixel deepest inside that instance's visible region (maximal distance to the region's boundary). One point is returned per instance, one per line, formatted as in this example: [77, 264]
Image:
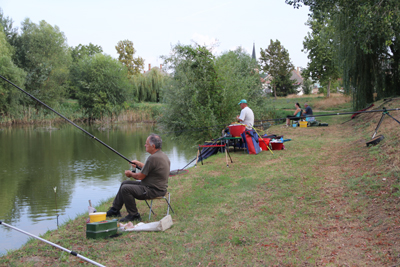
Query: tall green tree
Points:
[126, 53]
[102, 84]
[9, 96]
[322, 52]
[42, 51]
[238, 79]
[275, 60]
[367, 37]
[204, 90]
[78, 53]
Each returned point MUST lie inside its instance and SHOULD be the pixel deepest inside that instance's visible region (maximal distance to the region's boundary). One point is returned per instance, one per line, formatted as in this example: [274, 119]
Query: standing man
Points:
[308, 112]
[152, 182]
[246, 115]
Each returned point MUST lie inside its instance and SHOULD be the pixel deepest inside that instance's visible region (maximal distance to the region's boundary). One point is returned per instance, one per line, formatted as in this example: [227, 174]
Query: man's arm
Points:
[136, 176]
[241, 116]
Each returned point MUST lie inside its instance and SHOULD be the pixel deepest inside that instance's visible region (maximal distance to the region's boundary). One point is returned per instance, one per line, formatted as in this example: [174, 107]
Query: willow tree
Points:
[148, 86]
[367, 38]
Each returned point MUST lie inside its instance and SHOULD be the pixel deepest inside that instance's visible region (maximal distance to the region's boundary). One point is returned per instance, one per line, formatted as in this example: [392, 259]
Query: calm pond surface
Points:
[34, 160]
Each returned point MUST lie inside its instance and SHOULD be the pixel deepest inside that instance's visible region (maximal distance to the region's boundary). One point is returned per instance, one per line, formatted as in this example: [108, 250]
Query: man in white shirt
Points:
[246, 115]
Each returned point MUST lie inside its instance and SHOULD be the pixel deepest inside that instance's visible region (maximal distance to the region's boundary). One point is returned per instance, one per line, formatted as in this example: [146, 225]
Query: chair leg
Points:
[169, 203]
[168, 200]
[150, 207]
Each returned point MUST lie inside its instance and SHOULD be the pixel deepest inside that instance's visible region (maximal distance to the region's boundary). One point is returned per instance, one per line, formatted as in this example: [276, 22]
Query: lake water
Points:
[34, 160]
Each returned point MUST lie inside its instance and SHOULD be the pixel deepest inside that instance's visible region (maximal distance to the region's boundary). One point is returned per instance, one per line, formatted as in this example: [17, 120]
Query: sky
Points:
[155, 26]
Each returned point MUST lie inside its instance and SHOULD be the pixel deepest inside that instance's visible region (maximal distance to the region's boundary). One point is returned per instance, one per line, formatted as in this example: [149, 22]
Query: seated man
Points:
[308, 113]
[152, 182]
[246, 115]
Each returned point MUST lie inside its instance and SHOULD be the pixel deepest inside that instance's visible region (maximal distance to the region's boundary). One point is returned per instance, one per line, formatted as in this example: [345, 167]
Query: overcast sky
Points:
[154, 26]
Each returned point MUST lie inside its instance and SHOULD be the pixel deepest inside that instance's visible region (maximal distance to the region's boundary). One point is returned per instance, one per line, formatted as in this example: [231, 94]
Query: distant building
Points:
[296, 76]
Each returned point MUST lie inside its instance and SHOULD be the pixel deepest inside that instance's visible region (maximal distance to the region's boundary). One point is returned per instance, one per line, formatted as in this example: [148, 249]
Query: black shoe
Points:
[113, 212]
[129, 217]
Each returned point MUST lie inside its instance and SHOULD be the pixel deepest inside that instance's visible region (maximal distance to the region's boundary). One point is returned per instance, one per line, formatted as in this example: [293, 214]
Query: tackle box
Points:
[101, 229]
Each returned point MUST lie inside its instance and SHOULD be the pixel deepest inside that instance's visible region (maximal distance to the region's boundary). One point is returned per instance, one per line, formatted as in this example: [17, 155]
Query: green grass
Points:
[319, 202]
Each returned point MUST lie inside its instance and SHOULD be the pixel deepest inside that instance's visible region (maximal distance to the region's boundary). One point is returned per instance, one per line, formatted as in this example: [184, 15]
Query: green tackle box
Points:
[101, 229]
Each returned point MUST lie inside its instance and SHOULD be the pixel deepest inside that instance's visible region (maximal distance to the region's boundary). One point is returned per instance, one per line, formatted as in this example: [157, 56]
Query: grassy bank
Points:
[326, 200]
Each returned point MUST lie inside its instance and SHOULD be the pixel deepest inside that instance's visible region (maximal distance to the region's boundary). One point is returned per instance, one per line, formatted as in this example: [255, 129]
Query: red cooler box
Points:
[236, 129]
[264, 144]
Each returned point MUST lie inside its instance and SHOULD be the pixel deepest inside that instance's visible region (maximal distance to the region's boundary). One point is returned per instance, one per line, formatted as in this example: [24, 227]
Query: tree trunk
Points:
[328, 90]
[275, 91]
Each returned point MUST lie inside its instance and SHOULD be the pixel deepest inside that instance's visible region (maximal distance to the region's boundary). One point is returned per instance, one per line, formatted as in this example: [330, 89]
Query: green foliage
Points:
[80, 51]
[77, 54]
[238, 80]
[307, 86]
[275, 61]
[321, 51]
[148, 86]
[367, 35]
[7, 26]
[126, 51]
[204, 91]
[9, 96]
[42, 51]
[102, 85]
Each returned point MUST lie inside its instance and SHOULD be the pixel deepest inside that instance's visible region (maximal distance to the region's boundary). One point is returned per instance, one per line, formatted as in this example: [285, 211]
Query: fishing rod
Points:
[68, 120]
[343, 113]
[54, 245]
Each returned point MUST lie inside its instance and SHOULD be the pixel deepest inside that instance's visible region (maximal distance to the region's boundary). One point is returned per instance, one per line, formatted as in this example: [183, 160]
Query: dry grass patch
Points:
[334, 100]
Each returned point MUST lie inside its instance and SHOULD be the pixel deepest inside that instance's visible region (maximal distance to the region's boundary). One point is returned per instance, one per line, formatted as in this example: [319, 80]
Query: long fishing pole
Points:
[65, 118]
[54, 245]
[343, 113]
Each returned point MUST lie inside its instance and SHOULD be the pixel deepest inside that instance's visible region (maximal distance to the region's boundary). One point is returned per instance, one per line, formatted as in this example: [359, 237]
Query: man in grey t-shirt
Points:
[152, 182]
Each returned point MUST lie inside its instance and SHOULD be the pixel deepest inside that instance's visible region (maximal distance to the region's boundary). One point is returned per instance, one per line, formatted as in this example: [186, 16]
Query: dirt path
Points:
[361, 228]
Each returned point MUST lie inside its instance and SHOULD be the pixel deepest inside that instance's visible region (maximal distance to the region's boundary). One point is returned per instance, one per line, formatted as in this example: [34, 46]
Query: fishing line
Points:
[65, 118]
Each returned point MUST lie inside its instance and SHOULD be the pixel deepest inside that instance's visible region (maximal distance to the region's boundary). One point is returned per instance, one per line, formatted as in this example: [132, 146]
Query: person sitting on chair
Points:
[246, 114]
[295, 116]
[308, 113]
[152, 182]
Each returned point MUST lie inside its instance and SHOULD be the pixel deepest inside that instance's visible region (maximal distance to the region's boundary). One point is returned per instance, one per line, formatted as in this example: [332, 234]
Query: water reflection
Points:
[34, 160]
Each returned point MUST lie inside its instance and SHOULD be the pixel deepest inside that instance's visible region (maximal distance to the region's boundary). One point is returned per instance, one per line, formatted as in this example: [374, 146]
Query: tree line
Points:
[38, 59]
[358, 40]
[199, 89]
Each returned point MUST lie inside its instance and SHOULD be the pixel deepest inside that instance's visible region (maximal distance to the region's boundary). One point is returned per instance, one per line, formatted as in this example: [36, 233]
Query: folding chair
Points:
[168, 200]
